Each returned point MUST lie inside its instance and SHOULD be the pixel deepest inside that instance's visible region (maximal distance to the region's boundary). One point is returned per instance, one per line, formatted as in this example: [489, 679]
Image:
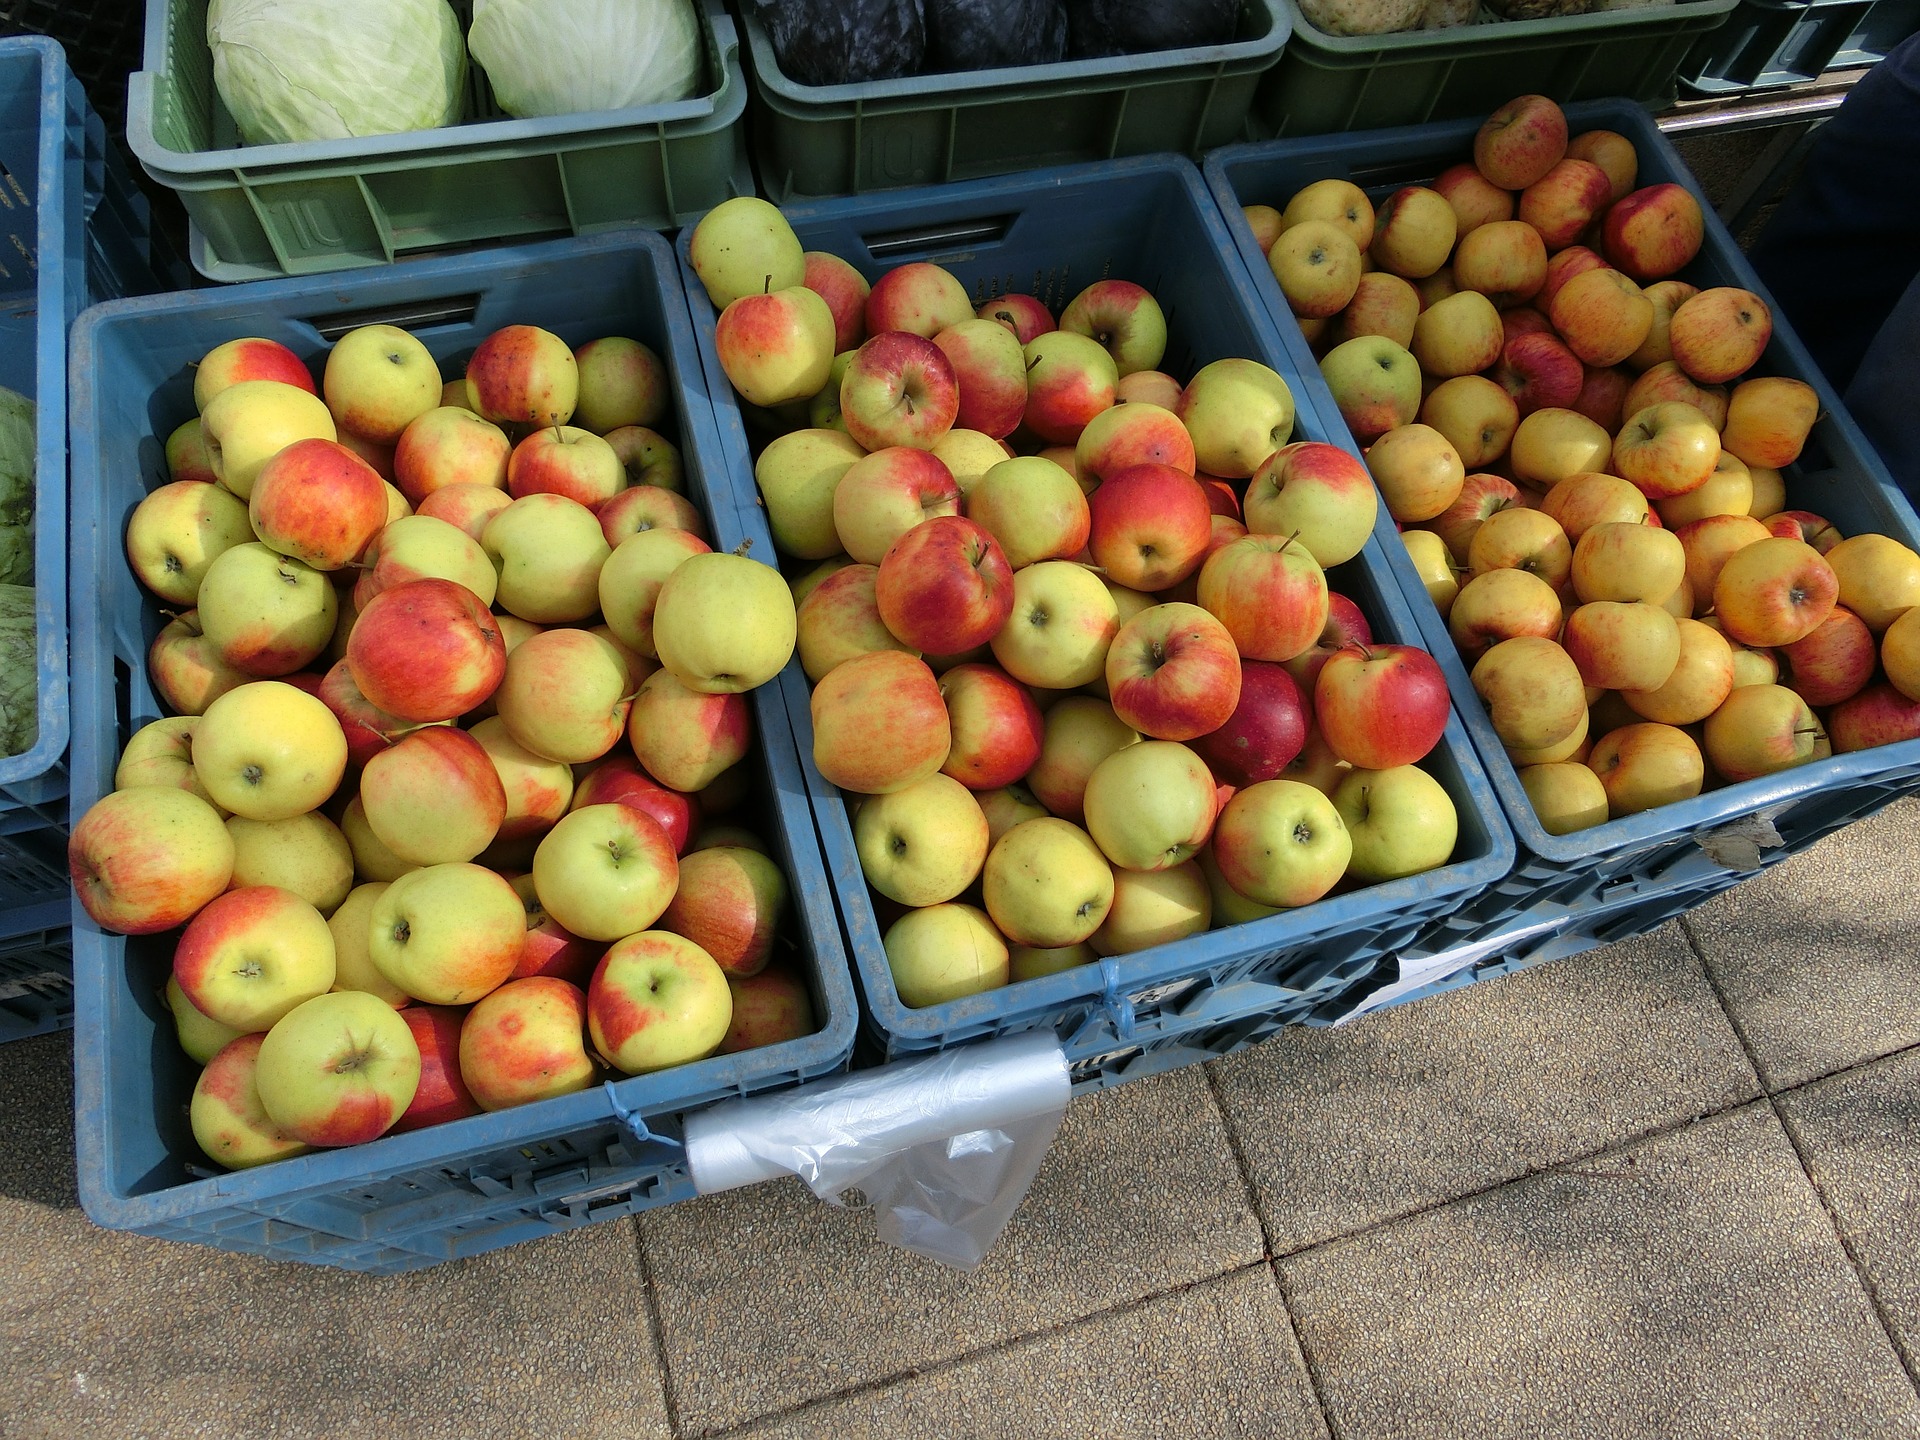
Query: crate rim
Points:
[1711, 808]
[1116, 977]
[329, 1172]
[1508, 33]
[251, 164]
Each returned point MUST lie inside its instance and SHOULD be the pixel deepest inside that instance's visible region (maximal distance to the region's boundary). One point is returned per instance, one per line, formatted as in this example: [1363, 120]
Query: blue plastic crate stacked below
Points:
[1696, 847]
[404, 1201]
[1052, 233]
[73, 229]
[1769, 43]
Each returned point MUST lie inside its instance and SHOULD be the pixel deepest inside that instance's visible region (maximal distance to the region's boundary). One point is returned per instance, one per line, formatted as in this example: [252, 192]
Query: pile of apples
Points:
[1587, 479]
[1074, 656]
[454, 681]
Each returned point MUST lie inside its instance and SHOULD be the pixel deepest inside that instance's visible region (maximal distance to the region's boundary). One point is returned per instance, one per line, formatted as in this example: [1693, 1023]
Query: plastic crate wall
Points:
[1769, 43]
[1724, 833]
[295, 209]
[1052, 233]
[408, 1200]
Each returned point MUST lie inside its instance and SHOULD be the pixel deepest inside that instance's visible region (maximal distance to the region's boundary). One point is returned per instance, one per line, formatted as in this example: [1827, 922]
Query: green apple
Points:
[247, 424]
[269, 751]
[1376, 384]
[447, 934]
[229, 1122]
[252, 955]
[352, 927]
[202, 1038]
[178, 531]
[1402, 822]
[945, 952]
[305, 854]
[1281, 843]
[266, 613]
[657, 999]
[339, 1070]
[1047, 885]
[1230, 907]
[1566, 796]
[745, 246]
[605, 871]
[1063, 622]
[1239, 412]
[1150, 806]
[380, 378]
[1031, 962]
[724, 623]
[548, 551]
[923, 844]
[797, 474]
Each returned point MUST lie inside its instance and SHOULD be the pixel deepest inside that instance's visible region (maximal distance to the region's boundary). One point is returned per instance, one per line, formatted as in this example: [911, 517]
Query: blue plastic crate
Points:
[1052, 233]
[72, 230]
[36, 970]
[404, 1201]
[1839, 476]
[1769, 43]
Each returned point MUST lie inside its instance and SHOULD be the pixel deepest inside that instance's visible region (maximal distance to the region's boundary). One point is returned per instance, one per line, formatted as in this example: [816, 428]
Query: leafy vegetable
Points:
[292, 70]
[19, 677]
[16, 488]
[561, 57]
[841, 42]
[987, 34]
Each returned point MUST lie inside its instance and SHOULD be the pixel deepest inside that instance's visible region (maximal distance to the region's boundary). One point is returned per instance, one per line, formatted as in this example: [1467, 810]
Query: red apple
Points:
[1602, 399]
[619, 780]
[1540, 373]
[1804, 525]
[449, 445]
[1878, 715]
[1718, 334]
[442, 1094]
[368, 728]
[235, 361]
[1379, 706]
[426, 650]
[1173, 672]
[880, 497]
[1654, 232]
[768, 1008]
[648, 507]
[990, 368]
[945, 586]
[1025, 316]
[565, 460]
[1520, 142]
[1150, 526]
[1572, 261]
[1831, 663]
[996, 727]
[551, 948]
[1133, 434]
[1505, 261]
[318, 502]
[1476, 200]
[919, 298]
[730, 902]
[1564, 201]
[1270, 594]
[1480, 495]
[845, 290]
[1264, 733]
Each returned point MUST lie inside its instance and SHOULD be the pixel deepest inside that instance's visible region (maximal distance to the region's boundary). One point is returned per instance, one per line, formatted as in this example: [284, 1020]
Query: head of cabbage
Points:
[295, 70]
[561, 57]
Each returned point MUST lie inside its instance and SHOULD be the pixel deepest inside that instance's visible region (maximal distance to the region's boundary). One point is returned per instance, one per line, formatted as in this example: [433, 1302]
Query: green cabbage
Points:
[16, 488]
[19, 675]
[561, 57]
[292, 70]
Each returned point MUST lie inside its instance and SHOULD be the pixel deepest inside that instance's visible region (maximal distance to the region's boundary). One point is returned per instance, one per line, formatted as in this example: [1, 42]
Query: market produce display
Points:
[1075, 658]
[1584, 455]
[459, 691]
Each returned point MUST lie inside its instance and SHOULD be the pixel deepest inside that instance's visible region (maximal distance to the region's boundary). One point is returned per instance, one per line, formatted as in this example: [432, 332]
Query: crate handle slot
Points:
[417, 315]
[950, 235]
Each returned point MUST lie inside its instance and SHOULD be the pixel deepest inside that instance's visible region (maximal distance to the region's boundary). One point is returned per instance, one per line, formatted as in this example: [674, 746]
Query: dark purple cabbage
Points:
[840, 42]
[989, 34]
[1133, 27]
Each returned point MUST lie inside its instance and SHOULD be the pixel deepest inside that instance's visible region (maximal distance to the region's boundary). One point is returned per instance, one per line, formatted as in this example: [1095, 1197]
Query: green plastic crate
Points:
[1329, 83]
[818, 140]
[260, 212]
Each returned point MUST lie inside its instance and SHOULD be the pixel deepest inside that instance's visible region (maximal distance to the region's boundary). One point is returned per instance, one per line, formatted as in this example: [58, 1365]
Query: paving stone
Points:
[769, 1298]
[1345, 1128]
[1216, 1360]
[1860, 1134]
[1815, 955]
[1689, 1286]
[108, 1334]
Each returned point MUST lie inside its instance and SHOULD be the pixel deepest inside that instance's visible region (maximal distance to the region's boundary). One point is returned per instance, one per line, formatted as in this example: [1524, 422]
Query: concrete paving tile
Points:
[769, 1298]
[1218, 1360]
[1860, 1133]
[106, 1334]
[1345, 1128]
[1815, 955]
[1689, 1286]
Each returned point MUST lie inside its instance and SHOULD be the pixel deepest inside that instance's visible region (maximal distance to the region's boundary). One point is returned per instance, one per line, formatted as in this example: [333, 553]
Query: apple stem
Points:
[766, 286]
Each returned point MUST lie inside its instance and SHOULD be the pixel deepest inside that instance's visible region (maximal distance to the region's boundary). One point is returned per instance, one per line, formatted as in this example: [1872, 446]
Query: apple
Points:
[1436, 287]
[564, 695]
[1761, 730]
[368, 729]
[1667, 382]
[433, 797]
[731, 902]
[1173, 672]
[1667, 449]
[265, 613]
[442, 1094]
[884, 495]
[724, 623]
[1532, 690]
[687, 738]
[188, 672]
[466, 507]
[1572, 261]
[648, 457]
[1521, 539]
[798, 474]
[1281, 843]
[899, 390]
[1708, 544]
[1130, 434]
[1414, 230]
[1317, 493]
[1080, 733]
[1577, 745]
[1375, 384]
[236, 361]
[550, 948]
[177, 532]
[1561, 204]
[1062, 625]
[1070, 379]
[776, 348]
[1025, 316]
[1345, 625]
[918, 298]
[995, 725]
[372, 860]
[378, 457]
[657, 1000]
[622, 382]
[228, 1121]
[318, 502]
[945, 952]
[1878, 715]
[605, 871]
[420, 547]
[945, 586]
[1239, 412]
[1383, 305]
[1401, 822]
[1380, 706]
[1602, 395]
[1124, 318]
[1552, 445]
[1032, 509]
[548, 551]
[618, 779]
[1317, 267]
[1046, 884]
[922, 844]
[845, 290]
[352, 927]
[879, 723]
[1481, 495]
[248, 423]
[426, 650]
[1592, 498]
[339, 1069]
[269, 751]
[1603, 316]
[990, 369]
[1500, 605]
[1419, 474]
[565, 460]
[378, 380]
[744, 246]
[1540, 373]
[1773, 591]
[1645, 766]
[538, 789]
[1566, 796]
[526, 1042]
[523, 375]
[1149, 806]
[1266, 730]
[1474, 415]
[768, 1008]
[1268, 592]
[1460, 335]
[146, 859]
[1149, 526]
[161, 753]
[630, 581]
[1728, 491]
[1879, 578]
[253, 954]
[1520, 142]
[1718, 334]
[839, 619]
[1316, 765]
[305, 855]
[1439, 572]
[1340, 202]
[1617, 560]
[1622, 645]
[1653, 232]
[1154, 907]
[1477, 202]
[1667, 296]
[1833, 662]
[1804, 525]
[1769, 419]
[1613, 153]
[969, 455]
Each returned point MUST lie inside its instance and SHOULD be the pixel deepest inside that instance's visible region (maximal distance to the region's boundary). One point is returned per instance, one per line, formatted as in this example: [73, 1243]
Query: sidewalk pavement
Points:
[1663, 1189]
